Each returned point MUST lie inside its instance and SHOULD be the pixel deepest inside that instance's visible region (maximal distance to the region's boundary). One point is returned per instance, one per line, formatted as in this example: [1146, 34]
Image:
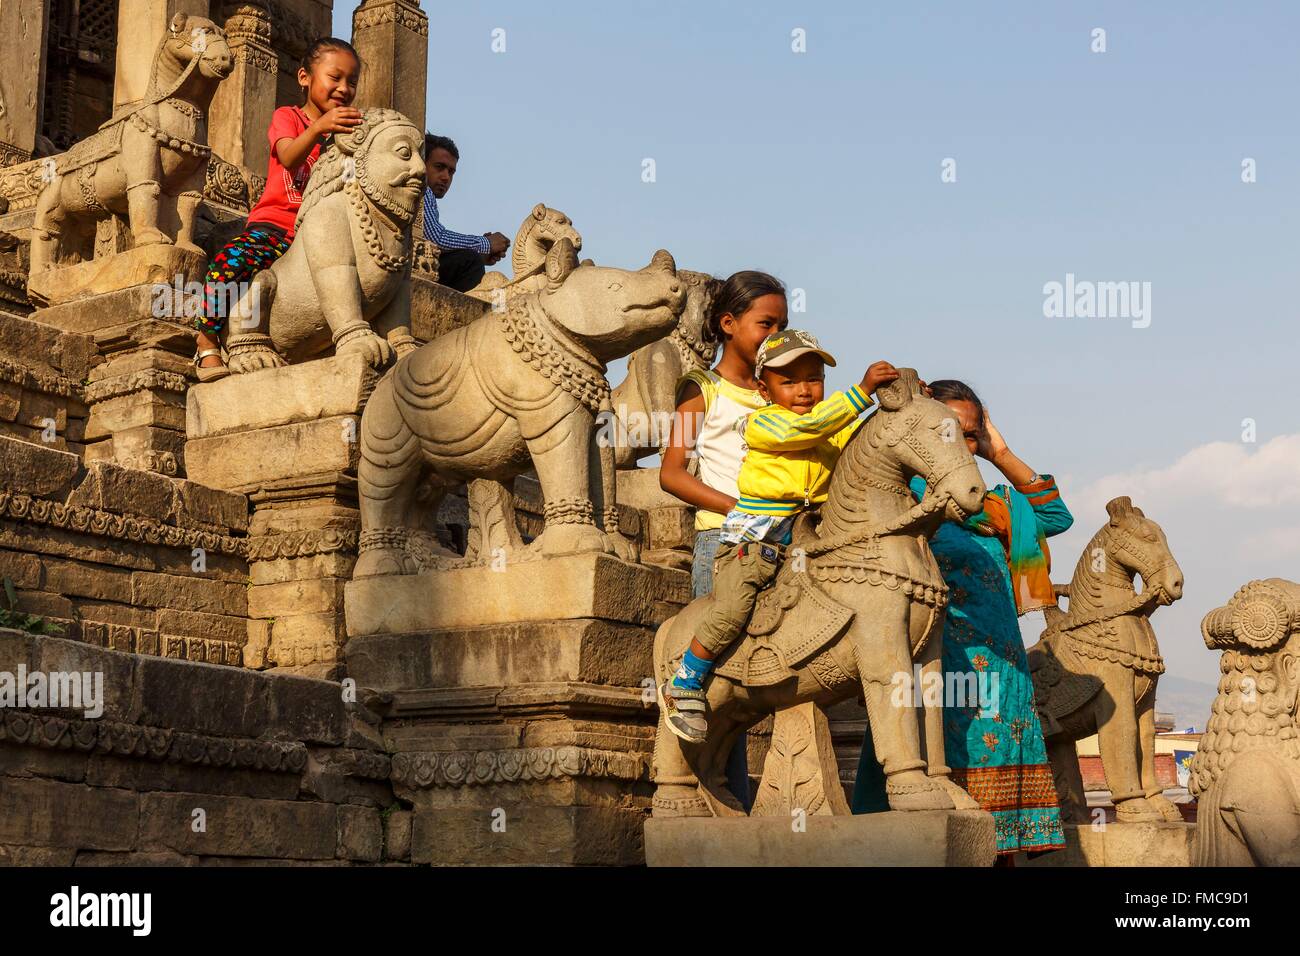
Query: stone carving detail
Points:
[463, 768]
[356, 294]
[19, 374]
[231, 185]
[852, 628]
[149, 378]
[136, 528]
[149, 163]
[158, 744]
[21, 184]
[1096, 666]
[1246, 771]
[141, 640]
[800, 772]
[538, 233]
[645, 401]
[396, 11]
[485, 400]
[301, 544]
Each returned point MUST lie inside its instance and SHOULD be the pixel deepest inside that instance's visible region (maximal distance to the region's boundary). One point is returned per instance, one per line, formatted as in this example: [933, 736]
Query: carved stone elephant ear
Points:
[1119, 509]
[900, 391]
[561, 260]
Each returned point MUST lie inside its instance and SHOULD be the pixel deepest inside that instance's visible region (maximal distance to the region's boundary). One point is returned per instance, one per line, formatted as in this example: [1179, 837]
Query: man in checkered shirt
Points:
[463, 257]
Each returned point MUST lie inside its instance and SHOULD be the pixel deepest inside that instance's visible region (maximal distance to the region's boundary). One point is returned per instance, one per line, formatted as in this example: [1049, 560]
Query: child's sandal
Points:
[684, 711]
[212, 372]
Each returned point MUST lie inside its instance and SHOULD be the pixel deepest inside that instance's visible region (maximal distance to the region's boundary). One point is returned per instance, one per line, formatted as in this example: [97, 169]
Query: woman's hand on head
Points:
[992, 445]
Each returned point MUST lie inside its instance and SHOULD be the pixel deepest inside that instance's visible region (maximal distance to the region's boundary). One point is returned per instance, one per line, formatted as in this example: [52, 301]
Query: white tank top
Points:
[719, 442]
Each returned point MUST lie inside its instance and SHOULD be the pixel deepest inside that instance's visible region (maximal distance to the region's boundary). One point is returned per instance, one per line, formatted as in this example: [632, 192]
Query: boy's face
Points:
[797, 386]
[440, 167]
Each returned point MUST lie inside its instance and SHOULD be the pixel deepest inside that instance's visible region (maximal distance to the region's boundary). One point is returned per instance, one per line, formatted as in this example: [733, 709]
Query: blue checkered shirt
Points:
[445, 238]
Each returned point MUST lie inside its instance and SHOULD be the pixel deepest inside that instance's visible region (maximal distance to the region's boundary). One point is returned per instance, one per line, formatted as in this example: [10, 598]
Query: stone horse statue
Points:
[541, 229]
[1246, 771]
[856, 601]
[148, 163]
[1096, 666]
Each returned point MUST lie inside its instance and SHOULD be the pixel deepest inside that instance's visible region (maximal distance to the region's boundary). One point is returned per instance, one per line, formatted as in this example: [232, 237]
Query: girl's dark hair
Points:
[951, 390]
[322, 45]
[736, 295]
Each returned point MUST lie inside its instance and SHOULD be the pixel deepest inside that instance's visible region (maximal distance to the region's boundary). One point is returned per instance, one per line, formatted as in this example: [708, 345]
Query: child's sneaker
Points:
[683, 711]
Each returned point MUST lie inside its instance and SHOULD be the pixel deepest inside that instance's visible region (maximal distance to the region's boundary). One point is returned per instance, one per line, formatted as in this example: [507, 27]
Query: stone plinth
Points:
[669, 522]
[143, 266]
[1121, 844]
[922, 838]
[136, 394]
[520, 705]
[286, 437]
[567, 587]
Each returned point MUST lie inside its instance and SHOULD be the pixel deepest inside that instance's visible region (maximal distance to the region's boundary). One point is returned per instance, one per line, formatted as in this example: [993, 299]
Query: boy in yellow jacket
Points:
[791, 447]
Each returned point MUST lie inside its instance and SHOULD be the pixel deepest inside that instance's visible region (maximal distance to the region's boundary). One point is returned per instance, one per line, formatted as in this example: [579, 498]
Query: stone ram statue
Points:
[514, 389]
[345, 281]
[1246, 771]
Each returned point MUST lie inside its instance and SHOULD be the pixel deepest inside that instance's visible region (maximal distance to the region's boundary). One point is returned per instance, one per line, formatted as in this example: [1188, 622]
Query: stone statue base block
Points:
[558, 588]
[896, 838]
[143, 265]
[1121, 844]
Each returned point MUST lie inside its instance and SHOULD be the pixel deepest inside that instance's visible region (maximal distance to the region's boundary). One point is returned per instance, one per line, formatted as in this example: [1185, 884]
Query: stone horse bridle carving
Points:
[1096, 666]
[148, 163]
[857, 599]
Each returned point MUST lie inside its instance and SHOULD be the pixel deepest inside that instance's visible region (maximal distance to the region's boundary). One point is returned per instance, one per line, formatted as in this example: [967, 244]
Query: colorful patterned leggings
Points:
[253, 250]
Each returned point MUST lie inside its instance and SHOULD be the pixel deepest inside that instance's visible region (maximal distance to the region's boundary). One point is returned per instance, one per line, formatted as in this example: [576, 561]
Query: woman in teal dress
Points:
[996, 567]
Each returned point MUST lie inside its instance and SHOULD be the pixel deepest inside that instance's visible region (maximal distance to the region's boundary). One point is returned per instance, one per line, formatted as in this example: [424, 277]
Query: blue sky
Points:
[823, 167]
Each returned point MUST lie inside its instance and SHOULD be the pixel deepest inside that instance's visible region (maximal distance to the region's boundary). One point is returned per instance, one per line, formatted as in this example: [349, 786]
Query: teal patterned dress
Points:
[994, 744]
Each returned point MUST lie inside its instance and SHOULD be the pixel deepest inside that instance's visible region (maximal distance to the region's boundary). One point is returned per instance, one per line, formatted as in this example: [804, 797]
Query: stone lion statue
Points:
[147, 163]
[520, 388]
[345, 281]
[1246, 771]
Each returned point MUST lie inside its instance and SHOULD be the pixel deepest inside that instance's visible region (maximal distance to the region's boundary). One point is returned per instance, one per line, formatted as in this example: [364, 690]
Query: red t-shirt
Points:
[282, 196]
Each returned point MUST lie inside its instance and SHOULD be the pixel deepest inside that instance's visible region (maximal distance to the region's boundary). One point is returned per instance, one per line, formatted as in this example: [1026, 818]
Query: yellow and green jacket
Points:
[789, 457]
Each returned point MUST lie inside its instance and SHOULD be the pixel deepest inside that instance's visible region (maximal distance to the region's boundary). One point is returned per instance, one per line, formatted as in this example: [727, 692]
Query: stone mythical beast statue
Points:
[345, 280]
[1096, 666]
[148, 163]
[866, 600]
[1246, 771]
[541, 229]
[519, 388]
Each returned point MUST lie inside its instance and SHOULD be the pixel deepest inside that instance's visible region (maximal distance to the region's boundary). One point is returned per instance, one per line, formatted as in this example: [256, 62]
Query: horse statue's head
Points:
[193, 44]
[1137, 546]
[911, 434]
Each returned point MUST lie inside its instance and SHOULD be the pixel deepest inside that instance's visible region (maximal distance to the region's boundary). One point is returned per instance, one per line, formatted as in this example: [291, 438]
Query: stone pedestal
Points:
[136, 395]
[1121, 844]
[922, 838]
[392, 38]
[669, 522]
[520, 704]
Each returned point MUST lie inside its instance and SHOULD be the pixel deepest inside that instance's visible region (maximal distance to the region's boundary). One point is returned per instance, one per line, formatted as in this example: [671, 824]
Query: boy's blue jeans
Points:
[706, 549]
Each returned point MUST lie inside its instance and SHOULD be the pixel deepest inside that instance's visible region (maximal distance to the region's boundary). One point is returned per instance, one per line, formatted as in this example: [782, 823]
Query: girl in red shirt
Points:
[328, 75]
